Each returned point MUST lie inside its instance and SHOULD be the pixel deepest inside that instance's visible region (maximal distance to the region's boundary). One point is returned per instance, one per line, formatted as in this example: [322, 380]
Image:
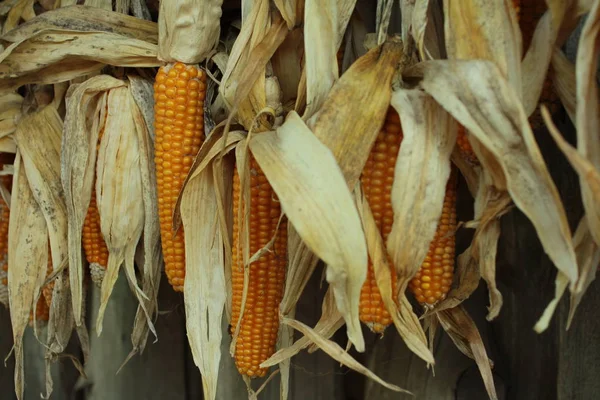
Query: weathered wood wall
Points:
[557, 364]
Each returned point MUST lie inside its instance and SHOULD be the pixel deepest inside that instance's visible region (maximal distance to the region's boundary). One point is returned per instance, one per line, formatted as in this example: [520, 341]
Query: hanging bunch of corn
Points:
[179, 94]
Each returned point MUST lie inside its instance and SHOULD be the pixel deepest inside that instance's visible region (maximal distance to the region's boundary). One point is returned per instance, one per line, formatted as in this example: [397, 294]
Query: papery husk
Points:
[120, 196]
[139, 9]
[28, 258]
[427, 30]
[462, 330]
[331, 320]
[142, 108]
[202, 212]
[21, 9]
[287, 64]
[83, 121]
[103, 4]
[339, 354]
[38, 137]
[66, 43]
[188, 30]
[564, 81]
[243, 84]
[349, 129]
[317, 201]
[474, 92]
[292, 11]
[10, 112]
[405, 320]
[420, 175]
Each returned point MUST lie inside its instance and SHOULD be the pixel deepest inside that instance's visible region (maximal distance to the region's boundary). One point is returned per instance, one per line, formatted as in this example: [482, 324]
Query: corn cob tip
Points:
[97, 272]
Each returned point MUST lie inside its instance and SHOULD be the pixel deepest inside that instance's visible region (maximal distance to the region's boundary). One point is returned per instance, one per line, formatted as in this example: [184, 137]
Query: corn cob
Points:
[260, 321]
[464, 146]
[94, 246]
[432, 282]
[42, 311]
[377, 179]
[4, 217]
[179, 92]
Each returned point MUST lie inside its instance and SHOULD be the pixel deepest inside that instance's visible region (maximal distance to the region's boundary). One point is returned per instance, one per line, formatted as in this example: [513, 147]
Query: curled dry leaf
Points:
[188, 29]
[317, 201]
[462, 330]
[291, 10]
[421, 172]
[10, 113]
[51, 50]
[28, 260]
[339, 354]
[563, 78]
[85, 105]
[119, 195]
[479, 97]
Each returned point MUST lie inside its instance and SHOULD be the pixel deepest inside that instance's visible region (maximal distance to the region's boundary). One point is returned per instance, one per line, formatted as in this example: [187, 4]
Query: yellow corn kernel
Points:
[377, 179]
[4, 218]
[42, 311]
[179, 92]
[260, 322]
[94, 246]
[464, 146]
[432, 283]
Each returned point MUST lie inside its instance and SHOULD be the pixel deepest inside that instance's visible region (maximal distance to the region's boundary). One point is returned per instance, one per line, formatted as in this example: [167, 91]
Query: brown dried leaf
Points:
[188, 29]
[462, 330]
[349, 129]
[317, 201]
[420, 176]
[28, 260]
[479, 97]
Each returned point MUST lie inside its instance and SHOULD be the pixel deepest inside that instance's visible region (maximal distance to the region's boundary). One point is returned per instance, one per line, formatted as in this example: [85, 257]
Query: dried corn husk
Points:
[21, 9]
[188, 29]
[203, 199]
[66, 43]
[120, 195]
[473, 92]
[10, 112]
[28, 260]
[316, 200]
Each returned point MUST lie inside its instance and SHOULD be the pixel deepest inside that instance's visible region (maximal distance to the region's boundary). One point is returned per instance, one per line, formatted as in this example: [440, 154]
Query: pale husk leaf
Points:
[10, 112]
[119, 195]
[320, 52]
[588, 117]
[420, 175]
[39, 139]
[336, 352]
[565, 84]
[349, 129]
[21, 9]
[205, 278]
[103, 4]
[480, 29]
[331, 320]
[85, 109]
[317, 201]
[188, 30]
[287, 64]
[141, 109]
[28, 260]
[463, 332]
[474, 92]
[405, 321]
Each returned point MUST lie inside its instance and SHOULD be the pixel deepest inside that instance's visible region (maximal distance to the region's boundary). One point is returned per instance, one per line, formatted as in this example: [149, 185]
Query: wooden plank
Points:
[579, 349]
[7, 385]
[159, 372]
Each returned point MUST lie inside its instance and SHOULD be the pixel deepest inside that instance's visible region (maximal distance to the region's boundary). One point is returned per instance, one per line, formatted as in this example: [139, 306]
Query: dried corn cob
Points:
[464, 147]
[432, 283]
[4, 217]
[377, 179]
[96, 252]
[179, 92]
[42, 311]
[260, 321]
